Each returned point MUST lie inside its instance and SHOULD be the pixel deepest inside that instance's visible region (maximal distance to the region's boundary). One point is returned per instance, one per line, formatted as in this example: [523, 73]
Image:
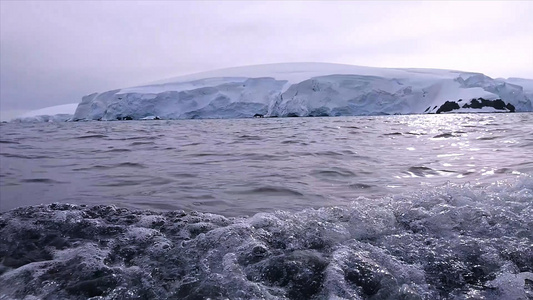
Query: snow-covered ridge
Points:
[303, 89]
[58, 113]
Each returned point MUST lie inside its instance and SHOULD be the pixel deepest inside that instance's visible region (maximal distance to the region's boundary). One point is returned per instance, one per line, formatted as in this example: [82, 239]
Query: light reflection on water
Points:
[244, 166]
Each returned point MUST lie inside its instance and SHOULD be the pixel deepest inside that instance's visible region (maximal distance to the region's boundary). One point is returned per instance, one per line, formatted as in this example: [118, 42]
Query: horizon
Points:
[54, 53]
[169, 80]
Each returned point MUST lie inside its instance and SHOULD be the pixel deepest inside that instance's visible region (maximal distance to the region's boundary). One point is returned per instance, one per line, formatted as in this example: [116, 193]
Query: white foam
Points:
[449, 241]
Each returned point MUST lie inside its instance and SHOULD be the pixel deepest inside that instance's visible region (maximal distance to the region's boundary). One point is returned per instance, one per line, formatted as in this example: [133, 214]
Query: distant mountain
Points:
[310, 89]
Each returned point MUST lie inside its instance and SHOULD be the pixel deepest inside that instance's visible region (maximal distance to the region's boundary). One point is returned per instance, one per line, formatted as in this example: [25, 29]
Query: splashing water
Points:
[451, 242]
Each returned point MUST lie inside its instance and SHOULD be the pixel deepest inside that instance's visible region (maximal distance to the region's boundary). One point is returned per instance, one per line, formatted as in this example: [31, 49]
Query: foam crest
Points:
[453, 242]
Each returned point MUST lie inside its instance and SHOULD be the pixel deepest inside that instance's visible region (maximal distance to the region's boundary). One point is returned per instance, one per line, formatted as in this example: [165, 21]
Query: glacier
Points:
[306, 89]
[58, 113]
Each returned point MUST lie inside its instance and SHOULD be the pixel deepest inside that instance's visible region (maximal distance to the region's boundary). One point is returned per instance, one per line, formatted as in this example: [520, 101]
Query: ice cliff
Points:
[307, 89]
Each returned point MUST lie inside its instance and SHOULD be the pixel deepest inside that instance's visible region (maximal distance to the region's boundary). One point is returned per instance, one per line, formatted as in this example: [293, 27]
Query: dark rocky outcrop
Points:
[497, 104]
[448, 106]
[478, 103]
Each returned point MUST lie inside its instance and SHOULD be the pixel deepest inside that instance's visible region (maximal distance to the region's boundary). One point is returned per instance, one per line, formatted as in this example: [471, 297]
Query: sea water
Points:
[388, 207]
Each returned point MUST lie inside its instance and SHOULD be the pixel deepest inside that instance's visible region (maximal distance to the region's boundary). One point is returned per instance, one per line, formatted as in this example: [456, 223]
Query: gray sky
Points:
[55, 52]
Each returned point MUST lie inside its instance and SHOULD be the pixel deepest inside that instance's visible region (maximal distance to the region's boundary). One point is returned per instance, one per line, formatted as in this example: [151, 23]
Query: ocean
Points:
[377, 207]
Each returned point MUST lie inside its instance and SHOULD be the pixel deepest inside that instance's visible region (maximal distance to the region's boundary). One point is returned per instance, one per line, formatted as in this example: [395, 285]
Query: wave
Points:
[272, 191]
[113, 166]
[117, 150]
[421, 171]
[12, 155]
[452, 242]
[40, 180]
[333, 172]
[91, 136]
[142, 143]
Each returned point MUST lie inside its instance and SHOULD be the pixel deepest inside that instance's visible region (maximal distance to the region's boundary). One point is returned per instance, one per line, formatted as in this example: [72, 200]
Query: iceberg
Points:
[309, 89]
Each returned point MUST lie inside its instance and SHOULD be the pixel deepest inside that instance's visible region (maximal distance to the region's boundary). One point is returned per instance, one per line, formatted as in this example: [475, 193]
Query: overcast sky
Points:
[55, 52]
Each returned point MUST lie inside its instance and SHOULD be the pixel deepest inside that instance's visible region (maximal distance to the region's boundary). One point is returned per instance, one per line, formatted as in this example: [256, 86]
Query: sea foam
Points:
[451, 242]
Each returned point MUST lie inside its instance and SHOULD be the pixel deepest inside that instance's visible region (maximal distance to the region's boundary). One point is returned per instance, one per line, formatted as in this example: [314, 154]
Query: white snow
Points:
[526, 84]
[477, 110]
[58, 113]
[150, 118]
[52, 110]
[451, 90]
[291, 72]
[302, 89]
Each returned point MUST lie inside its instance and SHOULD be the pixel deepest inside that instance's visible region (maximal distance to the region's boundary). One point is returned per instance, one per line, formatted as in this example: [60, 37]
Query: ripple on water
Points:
[113, 166]
[269, 191]
[91, 136]
[319, 159]
[421, 171]
[117, 150]
[12, 155]
[40, 180]
[393, 133]
[488, 138]
[142, 143]
[250, 137]
[360, 186]
[333, 173]
[445, 135]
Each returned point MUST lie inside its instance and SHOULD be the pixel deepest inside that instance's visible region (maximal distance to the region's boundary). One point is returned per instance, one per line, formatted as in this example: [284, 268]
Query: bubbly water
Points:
[392, 207]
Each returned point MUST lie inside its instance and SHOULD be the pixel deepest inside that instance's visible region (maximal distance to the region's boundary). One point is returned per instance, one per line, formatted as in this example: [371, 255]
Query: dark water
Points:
[397, 207]
[235, 167]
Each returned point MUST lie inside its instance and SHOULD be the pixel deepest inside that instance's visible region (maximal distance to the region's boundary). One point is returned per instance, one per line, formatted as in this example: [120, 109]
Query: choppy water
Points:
[235, 167]
[396, 207]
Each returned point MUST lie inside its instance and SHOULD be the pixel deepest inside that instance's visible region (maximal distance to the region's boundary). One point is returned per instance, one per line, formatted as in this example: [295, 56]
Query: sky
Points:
[55, 52]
